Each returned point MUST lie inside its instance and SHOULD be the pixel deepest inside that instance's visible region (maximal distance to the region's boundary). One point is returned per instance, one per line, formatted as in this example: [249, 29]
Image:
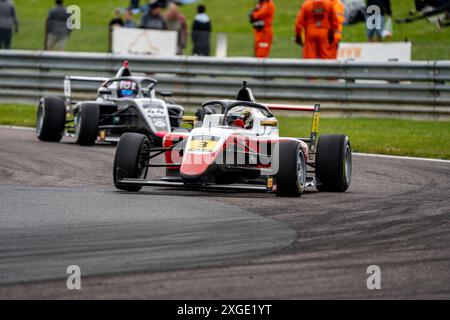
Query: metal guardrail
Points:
[392, 87]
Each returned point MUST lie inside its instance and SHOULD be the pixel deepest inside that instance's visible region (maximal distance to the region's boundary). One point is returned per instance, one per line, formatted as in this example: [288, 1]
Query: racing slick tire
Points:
[86, 124]
[333, 163]
[131, 159]
[51, 119]
[291, 175]
[176, 115]
[200, 114]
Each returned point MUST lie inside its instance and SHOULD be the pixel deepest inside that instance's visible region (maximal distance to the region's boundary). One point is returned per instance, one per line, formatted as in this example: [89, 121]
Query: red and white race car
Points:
[237, 147]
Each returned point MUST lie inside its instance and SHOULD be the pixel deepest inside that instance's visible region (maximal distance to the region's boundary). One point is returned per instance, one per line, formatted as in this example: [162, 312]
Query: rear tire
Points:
[291, 175]
[200, 114]
[51, 119]
[176, 113]
[333, 163]
[86, 124]
[129, 161]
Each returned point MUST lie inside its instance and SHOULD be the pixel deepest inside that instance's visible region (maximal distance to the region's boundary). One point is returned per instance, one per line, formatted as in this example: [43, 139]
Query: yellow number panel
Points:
[202, 145]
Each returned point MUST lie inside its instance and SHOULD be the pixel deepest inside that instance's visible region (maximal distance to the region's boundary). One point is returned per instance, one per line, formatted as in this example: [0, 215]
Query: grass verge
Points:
[17, 115]
[228, 16]
[412, 138]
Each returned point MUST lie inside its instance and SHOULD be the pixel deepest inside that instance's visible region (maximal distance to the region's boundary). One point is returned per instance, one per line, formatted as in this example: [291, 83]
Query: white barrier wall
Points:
[148, 42]
[375, 52]
[419, 88]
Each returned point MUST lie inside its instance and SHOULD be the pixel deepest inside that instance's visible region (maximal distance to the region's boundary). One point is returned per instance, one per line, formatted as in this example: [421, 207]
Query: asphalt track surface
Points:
[58, 207]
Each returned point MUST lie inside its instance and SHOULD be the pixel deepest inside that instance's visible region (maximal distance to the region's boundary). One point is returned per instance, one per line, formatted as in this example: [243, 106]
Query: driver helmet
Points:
[247, 117]
[127, 89]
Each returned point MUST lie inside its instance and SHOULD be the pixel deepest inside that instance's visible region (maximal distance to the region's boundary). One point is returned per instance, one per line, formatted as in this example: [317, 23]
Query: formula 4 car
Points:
[237, 147]
[124, 103]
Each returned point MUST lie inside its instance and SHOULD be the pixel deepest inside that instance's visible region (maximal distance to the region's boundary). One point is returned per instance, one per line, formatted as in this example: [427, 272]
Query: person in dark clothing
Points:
[153, 19]
[385, 10]
[57, 33]
[134, 4]
[8, 20]
[438, 10]
[176, 21]
[128, 21]
[163, 3]
[427, 5]
[384, 5]
[117, 21]
[201, 32]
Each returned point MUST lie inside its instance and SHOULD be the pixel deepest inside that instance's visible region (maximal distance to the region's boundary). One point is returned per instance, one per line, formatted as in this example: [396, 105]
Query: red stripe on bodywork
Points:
[195, 165]
[169, 140]
[161, 134]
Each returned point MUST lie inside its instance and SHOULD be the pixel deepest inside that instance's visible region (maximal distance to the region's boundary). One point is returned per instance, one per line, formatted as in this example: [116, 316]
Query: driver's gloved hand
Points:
[239, 123]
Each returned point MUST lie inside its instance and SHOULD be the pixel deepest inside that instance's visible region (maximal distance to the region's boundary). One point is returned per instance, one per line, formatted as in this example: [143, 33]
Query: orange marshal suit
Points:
[339, 8]
[318, 21]
[264, 37]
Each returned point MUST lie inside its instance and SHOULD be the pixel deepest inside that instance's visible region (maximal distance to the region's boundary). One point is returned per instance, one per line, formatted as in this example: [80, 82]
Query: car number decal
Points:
[202, 146]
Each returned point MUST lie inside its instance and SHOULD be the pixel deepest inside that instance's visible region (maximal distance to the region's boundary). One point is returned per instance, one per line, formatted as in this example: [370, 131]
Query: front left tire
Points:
[131, 160]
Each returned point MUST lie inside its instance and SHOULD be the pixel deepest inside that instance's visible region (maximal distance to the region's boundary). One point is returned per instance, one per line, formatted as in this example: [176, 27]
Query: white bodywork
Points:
[213, 126]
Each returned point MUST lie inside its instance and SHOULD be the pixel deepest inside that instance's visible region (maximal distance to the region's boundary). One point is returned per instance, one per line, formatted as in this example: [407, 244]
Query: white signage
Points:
[149, 42]
[394, 51]
[222, 45]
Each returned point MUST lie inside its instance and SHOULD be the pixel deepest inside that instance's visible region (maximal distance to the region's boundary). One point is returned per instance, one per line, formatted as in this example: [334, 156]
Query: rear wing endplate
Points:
[68, 85]
[314, 133]
[314, 126]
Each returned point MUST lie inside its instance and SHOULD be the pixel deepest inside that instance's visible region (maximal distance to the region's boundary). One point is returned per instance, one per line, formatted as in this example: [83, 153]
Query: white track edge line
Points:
[399, 157]
[17, 128]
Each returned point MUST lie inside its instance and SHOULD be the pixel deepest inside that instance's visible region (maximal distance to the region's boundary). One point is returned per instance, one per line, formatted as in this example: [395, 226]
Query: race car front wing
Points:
[268, 188]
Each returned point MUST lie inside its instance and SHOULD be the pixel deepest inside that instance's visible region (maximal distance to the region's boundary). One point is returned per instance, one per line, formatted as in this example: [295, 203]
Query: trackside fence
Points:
[404, 89]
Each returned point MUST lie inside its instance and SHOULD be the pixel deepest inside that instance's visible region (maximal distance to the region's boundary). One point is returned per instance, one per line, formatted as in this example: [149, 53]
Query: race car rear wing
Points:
[290, 107]
[314, 126]
[68, 85]
[124, 71]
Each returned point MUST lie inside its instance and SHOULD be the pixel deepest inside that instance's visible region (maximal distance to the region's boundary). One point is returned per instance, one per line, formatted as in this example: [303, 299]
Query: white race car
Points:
[125, 103]
[237, 147]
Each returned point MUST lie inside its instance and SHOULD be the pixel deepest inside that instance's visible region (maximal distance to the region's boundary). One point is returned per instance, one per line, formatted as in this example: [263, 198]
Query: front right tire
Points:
[51, 119]
[86, 124]
[333, 163]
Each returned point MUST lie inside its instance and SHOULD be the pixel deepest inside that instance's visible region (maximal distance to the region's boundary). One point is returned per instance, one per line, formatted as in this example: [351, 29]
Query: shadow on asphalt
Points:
[181, 192]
